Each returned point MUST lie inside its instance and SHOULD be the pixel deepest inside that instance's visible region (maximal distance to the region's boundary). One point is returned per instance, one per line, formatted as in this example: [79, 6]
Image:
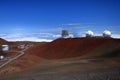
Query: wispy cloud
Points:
[116, 36]
[52, 34]
[43, 37]
[71, 24]
[39, 37]
[78, 24]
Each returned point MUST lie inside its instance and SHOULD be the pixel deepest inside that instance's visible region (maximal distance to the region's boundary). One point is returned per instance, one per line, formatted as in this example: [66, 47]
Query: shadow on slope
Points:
[76, 47]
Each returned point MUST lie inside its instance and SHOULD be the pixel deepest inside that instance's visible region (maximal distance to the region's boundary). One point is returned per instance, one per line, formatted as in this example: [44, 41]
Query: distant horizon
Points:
[50, 37]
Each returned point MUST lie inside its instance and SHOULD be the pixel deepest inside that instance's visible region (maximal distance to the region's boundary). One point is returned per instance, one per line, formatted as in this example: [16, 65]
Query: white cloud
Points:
[38, 37]
[71, 24]
[35, 39]
[71, 35]
[115, 36]
[112, 35]
[57, 36]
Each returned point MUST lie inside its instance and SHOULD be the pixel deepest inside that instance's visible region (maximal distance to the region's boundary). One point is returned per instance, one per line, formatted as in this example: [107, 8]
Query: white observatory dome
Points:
[1, 57]
[89, 33]
[5, 48]
[106, 33]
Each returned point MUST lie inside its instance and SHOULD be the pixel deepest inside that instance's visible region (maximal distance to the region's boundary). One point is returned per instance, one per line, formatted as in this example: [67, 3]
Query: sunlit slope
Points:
[76, 47]
[2, 41]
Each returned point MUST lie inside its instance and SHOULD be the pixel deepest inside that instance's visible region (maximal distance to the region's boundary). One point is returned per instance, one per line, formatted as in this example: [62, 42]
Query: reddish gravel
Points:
[68, 48]
[2, 41]
[58, 49]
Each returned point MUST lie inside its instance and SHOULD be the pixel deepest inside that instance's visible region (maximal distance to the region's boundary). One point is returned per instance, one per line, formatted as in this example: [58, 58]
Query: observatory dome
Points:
[1, 57]
[5, 48]
[65, 34]
[89, 33]
[106, 33]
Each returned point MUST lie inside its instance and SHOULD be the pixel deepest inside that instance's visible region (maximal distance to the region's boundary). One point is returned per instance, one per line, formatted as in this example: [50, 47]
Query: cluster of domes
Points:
[106, 33]
[89, 33]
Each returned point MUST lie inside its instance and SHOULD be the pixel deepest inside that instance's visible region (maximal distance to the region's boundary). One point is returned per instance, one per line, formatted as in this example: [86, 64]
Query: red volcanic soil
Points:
[63, 49]
[2, 41]
[69, 48]
[20, 64]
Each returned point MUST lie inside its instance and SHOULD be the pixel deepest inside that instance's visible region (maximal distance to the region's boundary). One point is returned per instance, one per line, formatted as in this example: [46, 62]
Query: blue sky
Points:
[48, 17]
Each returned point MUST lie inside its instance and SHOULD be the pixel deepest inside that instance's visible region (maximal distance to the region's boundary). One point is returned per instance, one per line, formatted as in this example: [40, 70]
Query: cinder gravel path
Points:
[21, 53]
[101, 74]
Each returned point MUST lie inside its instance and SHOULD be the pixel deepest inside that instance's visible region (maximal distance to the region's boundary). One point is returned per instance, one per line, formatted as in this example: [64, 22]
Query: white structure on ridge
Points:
[106, 33]
[89, 33]
[5, 48]
[1, 57]
[65, 34]
[21, 46]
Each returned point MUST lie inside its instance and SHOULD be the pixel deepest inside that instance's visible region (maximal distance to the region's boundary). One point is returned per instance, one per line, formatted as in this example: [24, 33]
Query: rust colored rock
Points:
[68, 48]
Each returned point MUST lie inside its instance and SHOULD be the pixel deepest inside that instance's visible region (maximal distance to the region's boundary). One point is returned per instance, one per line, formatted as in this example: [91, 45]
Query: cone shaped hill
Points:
[77, 47]
[2, 41]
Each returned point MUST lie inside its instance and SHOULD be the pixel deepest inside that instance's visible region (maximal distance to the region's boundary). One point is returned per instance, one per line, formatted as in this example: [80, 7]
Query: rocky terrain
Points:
[94, 58]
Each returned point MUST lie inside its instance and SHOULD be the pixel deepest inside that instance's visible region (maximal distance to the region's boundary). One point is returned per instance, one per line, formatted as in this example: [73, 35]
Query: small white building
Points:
[5, 48]
[65, 34]
[89, 33]
[21, 46]
[1, 57]
[106, 33]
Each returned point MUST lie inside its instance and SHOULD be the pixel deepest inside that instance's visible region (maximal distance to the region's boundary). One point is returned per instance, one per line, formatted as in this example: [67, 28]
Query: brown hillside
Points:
[68, 48]
[2, 41]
